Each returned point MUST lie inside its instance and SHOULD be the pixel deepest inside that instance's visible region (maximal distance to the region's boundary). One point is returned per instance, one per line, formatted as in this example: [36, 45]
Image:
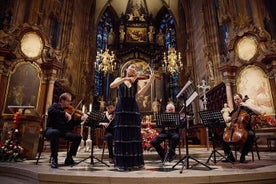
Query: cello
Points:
[236, 132]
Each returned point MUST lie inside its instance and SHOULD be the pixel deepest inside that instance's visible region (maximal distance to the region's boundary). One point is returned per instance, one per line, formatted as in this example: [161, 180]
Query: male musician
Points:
[251, 109]
[60, 124]
[108, 135]
[171, 134]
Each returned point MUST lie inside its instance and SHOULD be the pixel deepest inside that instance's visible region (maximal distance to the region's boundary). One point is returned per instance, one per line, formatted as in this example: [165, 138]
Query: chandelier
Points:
[172, 62]
[105, 61]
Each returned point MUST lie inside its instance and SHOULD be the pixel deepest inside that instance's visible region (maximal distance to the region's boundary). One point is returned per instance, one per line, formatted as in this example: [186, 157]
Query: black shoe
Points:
[111, 161]
[54, 164]
[171, 157]
[230, 158]
[69, 161]
[242, 159]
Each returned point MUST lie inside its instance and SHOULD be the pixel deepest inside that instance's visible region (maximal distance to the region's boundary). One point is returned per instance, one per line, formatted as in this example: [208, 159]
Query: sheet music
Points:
[168, 120]
[212, 117]
[189, 93]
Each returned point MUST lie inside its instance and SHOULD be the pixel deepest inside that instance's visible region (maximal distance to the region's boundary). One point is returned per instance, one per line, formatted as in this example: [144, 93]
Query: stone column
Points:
[229, 94]
[229, 78]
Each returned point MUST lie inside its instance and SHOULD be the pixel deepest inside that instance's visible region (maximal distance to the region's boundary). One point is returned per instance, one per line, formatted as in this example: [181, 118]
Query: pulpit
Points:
[29, 124]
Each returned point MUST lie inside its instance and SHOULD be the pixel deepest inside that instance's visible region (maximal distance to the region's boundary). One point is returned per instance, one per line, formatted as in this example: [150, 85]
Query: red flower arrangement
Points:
[11, 151]
[263, 121]
[148, 134]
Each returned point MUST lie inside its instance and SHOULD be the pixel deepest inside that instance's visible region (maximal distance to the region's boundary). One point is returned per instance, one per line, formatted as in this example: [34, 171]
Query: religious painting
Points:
[136, 34]
[142, 68]
[24, 85]
[253, 82]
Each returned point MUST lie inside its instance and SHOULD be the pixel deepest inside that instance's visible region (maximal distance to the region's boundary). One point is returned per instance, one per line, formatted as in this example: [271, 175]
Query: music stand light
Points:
[94, 117]
[213, 119]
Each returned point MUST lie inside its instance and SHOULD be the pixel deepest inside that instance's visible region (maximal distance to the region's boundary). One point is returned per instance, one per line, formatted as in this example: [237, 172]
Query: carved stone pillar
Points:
[50, 69]
[228, 76]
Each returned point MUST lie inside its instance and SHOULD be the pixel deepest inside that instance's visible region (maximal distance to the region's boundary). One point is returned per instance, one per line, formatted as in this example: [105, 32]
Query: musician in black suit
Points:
[171, 134]
[108, 134]
[60, 123]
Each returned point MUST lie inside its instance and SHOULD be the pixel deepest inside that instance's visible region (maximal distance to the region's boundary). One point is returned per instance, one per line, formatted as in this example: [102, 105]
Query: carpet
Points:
[249, 165]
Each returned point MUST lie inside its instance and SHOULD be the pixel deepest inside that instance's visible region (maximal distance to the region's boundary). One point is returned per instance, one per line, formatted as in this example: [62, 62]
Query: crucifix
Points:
[204, 88]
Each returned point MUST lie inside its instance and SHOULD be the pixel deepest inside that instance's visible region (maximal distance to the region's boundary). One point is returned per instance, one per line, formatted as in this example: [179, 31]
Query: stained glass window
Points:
[168, 28]
[104, 27]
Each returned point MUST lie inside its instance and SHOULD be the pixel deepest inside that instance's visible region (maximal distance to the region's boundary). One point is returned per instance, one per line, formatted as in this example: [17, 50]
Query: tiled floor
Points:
[263, 171]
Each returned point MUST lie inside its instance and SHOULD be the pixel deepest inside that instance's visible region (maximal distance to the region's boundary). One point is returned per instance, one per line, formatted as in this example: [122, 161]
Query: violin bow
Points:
[77, 107]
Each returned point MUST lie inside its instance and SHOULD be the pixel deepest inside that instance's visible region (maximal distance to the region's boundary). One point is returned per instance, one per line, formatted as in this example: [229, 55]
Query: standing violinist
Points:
[108, 134]
[250, 109]
[60, 124]
[128, 151]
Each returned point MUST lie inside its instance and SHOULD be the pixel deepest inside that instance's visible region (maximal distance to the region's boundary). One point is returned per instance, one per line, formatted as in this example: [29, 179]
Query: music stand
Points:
[187, 94]
[213, 119]
[94, 117]
[167, 121]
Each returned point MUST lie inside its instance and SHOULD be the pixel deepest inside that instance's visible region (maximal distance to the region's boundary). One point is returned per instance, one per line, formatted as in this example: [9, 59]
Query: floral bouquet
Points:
[10, 151]
[263, 121]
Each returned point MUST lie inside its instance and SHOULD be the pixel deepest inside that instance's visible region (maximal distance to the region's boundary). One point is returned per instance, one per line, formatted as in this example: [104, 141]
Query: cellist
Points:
[248, 107]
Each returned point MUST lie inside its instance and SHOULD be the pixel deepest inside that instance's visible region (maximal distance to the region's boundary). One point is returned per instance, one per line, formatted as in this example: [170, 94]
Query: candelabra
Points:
[172, 62]
[105, 62]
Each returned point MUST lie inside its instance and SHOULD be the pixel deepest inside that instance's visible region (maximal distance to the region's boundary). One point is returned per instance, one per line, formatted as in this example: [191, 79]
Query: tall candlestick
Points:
[83, 109]
[90, 107]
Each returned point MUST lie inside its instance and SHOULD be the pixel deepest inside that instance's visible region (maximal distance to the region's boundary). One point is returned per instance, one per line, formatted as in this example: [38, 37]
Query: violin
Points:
[73, 111]
[145, 77]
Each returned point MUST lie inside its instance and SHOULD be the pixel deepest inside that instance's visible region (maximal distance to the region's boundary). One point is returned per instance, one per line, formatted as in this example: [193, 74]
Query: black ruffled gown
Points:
[128, 150]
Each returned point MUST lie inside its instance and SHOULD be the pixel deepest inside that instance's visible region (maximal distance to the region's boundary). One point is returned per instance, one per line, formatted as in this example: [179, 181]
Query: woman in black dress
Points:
[128, 150]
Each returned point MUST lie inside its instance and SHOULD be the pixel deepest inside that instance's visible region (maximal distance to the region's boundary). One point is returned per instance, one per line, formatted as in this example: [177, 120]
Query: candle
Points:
[83, 109]
[90, 107]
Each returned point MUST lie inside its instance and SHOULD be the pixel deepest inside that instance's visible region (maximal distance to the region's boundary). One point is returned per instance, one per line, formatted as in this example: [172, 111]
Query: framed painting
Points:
[23, 87]
[253, 82]
[136, 34]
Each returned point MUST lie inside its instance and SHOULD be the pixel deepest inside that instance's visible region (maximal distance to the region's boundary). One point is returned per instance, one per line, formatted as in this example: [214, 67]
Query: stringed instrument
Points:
[236, 132]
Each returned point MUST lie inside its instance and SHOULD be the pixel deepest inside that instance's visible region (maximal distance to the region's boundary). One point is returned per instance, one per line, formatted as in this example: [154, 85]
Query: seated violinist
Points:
[60, 124]
[249, 109]
[108, 134]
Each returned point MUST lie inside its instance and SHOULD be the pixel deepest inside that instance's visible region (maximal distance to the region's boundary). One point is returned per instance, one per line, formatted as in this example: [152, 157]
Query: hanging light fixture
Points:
[172, 62]
[105, 61]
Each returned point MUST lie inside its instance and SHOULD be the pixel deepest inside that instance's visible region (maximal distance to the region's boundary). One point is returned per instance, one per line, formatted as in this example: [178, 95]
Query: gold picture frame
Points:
[136, 34]
[24, 86]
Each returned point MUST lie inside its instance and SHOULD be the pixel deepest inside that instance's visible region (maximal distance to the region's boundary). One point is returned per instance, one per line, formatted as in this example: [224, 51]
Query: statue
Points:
[160, 38]
[151, 33]
[225, 112]
[122, 33]
[111, 37]
[155, 106]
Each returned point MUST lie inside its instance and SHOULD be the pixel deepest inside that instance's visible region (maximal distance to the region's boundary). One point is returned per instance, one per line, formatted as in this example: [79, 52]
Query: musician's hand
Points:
[152, 77]
[228, 119]
[84, 117]
[68, 116]
[110, 117]
[131, 79]
[104, 124]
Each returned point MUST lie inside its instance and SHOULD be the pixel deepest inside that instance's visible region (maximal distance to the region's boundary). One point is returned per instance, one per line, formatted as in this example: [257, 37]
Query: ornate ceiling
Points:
[153, 6]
